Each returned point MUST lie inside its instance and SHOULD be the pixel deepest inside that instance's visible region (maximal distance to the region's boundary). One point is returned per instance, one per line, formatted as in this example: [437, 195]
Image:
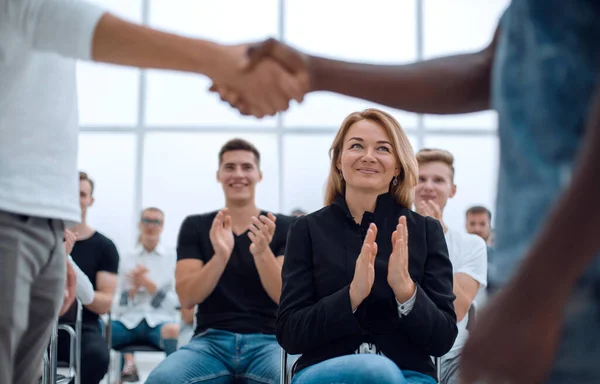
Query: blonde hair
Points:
[433, 155]
[403, 191]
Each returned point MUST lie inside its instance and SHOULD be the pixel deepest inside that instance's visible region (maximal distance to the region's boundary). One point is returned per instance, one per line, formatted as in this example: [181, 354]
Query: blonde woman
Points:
[367, 283]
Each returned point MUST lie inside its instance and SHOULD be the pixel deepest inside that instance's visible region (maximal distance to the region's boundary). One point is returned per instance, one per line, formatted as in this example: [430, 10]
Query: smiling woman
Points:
[371, 153]
[355, 303]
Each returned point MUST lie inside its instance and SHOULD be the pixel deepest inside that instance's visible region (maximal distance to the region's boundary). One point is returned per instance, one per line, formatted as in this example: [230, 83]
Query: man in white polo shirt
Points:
[467, 252]
[39, 42]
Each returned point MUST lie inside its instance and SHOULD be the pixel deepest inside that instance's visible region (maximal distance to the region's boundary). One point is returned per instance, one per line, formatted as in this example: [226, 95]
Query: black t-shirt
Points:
[239, 302]
[95, 254]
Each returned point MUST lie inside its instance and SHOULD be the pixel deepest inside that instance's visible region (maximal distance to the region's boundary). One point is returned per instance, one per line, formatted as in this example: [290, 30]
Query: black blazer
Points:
[315, 317]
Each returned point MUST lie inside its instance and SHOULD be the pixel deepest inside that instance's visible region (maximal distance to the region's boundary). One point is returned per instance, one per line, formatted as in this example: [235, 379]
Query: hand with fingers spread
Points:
[261, 233]
[283, 73]
[399, 277]
[221, 235]
[364, 273]
[432, 209]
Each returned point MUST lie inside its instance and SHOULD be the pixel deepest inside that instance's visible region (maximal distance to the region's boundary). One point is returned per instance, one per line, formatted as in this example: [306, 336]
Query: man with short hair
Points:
[229, 266]
[467, 251]
[97, 256]
[479, 222]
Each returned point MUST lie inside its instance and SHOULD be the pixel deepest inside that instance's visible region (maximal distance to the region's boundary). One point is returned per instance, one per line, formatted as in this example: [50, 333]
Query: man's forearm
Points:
[102, 303]
[117, 41]
[457, 84]
[569, 240]
[269, 271]
[197, 286]
[461, 302]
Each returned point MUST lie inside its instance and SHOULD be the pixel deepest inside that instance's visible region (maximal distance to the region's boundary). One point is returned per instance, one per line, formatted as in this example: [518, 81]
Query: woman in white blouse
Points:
[145, 310]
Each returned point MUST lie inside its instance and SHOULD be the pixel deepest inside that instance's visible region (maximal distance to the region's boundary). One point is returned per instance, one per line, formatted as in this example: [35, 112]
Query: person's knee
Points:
[381, 370]
[169, 331]
[95, 361]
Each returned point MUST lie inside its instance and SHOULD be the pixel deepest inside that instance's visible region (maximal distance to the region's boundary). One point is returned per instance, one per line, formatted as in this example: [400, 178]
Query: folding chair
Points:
[52, 372]
[131, 348]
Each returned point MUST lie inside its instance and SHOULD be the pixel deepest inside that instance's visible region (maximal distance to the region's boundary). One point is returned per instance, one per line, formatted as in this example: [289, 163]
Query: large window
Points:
[151, 138]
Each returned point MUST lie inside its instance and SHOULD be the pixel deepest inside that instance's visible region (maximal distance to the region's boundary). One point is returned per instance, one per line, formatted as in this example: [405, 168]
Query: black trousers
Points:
[94, 353]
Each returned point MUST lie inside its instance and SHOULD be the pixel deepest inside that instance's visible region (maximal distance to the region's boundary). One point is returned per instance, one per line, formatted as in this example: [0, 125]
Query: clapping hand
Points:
[221, 235]
[364, 273]
[398, 276]
[261, 233]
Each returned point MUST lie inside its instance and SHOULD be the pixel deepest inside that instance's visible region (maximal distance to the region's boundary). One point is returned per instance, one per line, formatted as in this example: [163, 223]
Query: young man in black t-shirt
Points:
[97, 256]
[229, 265]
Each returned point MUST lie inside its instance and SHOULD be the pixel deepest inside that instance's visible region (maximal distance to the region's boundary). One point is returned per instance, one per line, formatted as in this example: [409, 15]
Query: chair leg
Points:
[53, 358]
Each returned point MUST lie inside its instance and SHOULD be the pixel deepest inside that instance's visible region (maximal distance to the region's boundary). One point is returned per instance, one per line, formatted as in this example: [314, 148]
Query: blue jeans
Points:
[142, 333]
[216, 356]
[359, 369]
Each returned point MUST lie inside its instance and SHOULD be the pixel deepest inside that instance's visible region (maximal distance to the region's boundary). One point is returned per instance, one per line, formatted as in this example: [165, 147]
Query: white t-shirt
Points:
[39, 42]
[468, 255]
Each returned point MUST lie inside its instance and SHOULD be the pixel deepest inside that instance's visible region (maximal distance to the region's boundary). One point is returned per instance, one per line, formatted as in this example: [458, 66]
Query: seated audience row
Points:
[369, 290]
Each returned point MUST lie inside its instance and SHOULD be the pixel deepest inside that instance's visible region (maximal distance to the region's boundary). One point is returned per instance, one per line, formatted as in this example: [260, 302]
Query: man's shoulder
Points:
[103, 240]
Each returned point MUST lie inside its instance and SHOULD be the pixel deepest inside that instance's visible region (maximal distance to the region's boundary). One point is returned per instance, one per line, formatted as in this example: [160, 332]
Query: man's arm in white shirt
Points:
[85, 289]
[85, 31]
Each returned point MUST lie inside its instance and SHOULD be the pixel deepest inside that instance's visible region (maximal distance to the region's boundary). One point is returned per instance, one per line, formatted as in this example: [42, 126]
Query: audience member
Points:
[356, 304]
[467, 252]
[229, 266]
[97, 256]
[146, 311]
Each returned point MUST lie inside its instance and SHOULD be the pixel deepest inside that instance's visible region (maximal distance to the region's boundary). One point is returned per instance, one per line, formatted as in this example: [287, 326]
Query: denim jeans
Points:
[359, 369]
[122, 336]
[216, 356]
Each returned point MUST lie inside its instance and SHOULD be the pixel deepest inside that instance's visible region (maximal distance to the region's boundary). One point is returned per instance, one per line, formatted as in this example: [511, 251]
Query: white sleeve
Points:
[85, 289]
[473, 260]
[65, 27]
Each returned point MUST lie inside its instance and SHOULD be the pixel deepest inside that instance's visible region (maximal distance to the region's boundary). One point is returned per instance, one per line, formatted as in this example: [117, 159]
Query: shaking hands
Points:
[270, 75]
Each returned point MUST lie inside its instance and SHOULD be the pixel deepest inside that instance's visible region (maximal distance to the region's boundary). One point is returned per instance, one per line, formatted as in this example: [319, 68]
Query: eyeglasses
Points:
[151, 221]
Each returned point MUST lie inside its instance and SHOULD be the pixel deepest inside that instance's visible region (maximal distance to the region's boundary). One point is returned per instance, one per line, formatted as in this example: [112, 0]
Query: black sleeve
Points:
[282, 228]
[432, 321]
[188, 240]
[305, 322]
[110, 259]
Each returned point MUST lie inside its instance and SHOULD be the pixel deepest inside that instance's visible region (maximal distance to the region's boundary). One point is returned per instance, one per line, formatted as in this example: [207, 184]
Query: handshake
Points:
[264, 78]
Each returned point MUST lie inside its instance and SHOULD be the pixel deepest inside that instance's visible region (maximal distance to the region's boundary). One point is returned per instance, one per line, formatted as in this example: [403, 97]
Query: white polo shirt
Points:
[39, 42]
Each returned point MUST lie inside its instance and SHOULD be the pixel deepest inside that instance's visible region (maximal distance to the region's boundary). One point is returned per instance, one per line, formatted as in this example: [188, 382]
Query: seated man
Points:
[146, 310]
[97, 256]
[467, 252]
[229, 265]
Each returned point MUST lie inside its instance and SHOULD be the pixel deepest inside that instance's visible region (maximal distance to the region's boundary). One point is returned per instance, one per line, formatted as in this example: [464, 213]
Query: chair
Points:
[288, 372]
[131, 348]
[65, 323]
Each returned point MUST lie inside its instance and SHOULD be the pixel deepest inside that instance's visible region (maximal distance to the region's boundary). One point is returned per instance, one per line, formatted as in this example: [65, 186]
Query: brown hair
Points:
[84, 176]
[238, 144]
[479, 209]
[432, 155]
[403, 192]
